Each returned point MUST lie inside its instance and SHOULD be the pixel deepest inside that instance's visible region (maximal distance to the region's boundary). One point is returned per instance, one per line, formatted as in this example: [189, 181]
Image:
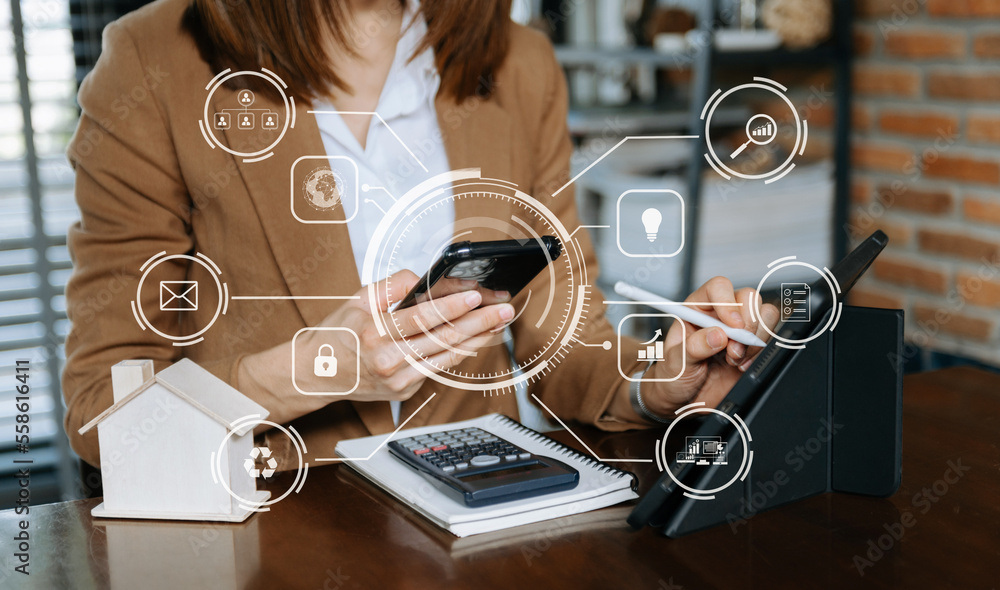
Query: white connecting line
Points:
[692, 303]
[379, 117]
[384, 442]
[607, 153]
[591, 451]
[293, 297]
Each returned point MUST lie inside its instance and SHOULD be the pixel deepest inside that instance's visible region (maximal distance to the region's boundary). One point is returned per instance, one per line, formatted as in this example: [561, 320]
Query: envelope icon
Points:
[178, 295]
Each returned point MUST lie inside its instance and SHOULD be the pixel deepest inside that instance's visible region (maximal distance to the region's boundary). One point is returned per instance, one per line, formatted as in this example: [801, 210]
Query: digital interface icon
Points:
[178, 295]
[237, 123]
[654, 349]
[245, 120]
[260, 463]
[651, 350]
[761, 130]
[310, 360]
[270, 464]
[323, 187]
[651, 219]
[703, 450]
[735, 456]
[795, 303]
[223, 121]
[325, 364]
[649, 223]
[172, 295]
[795, 298]
[555, 300]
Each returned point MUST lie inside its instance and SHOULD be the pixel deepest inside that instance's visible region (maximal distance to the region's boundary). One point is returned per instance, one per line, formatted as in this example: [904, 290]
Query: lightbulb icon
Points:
[651, 219]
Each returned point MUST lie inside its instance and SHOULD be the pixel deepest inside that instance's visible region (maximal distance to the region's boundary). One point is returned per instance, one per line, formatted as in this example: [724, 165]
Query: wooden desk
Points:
[340, 532]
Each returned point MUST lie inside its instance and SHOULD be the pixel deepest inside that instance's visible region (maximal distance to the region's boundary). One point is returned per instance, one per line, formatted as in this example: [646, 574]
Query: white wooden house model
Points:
[158, 443]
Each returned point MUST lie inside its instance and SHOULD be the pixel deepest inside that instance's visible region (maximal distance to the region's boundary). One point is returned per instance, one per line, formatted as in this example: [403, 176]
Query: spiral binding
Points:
[566, 452]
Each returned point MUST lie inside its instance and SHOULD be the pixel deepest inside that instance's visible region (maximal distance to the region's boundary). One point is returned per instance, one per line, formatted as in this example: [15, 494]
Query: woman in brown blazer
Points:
[146, 182]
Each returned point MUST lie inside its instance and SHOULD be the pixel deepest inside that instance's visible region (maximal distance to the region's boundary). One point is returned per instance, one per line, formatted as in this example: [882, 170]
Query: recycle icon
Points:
[251, 464]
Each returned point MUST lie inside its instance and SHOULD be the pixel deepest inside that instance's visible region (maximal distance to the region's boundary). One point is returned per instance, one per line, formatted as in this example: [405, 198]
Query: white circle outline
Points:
[218, 308]
[207, 120]
[791, 155]
[435, 188]
[217, 466]
[833, 291]
[743, 463]
[525, 376]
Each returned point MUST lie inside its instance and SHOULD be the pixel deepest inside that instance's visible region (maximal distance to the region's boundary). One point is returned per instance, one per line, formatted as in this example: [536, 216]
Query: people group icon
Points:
[245, 117]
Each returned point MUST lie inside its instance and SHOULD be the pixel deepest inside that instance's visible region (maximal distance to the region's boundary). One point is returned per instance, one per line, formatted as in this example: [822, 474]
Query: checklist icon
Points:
[795, 302]
[178, 295]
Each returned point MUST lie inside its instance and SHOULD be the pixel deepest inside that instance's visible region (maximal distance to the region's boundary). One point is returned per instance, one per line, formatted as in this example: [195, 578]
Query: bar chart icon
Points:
[765, 130]
[652, 352]
[650, 347]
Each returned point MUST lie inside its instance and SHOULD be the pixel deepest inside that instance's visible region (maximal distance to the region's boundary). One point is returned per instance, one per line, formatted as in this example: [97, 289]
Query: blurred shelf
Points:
[592, 57]
[584, 121]
[820, 55]
[702, 52]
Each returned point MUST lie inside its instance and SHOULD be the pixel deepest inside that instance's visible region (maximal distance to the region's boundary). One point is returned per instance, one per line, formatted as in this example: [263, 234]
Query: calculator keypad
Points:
[457, 450]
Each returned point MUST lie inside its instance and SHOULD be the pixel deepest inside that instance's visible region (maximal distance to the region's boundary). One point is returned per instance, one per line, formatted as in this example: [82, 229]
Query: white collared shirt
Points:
[407, 106]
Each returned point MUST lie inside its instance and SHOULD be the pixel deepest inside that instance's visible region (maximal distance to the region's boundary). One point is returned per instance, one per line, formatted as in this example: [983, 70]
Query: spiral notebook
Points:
[600, 485]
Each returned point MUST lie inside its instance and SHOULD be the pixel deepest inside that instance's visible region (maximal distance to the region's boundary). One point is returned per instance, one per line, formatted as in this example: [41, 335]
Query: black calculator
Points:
[482, 468]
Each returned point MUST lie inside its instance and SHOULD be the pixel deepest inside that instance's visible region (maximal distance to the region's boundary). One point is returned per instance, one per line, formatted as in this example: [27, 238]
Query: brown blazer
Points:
[146, 182]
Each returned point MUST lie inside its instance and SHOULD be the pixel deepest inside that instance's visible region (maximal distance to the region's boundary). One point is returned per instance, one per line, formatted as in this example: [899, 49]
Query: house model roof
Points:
[203, 390]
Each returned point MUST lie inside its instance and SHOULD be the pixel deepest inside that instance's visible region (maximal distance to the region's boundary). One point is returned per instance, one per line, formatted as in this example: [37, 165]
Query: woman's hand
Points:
[444, 331]
[711, 362]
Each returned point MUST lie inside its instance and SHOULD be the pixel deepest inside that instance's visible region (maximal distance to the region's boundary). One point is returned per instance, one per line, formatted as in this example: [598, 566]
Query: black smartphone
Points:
[501, 265]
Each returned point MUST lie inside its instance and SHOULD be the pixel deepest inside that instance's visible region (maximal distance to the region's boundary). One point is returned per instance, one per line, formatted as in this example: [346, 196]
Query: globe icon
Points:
[323, 189]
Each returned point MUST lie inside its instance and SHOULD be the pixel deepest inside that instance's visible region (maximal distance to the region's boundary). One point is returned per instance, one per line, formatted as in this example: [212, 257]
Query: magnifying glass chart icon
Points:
[761, 130]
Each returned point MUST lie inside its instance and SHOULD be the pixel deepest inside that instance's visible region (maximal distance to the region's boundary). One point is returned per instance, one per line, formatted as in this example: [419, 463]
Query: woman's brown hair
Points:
[288, 37]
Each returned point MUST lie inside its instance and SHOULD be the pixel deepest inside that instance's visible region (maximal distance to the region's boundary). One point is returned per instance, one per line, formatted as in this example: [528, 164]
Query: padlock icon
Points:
[325, 365]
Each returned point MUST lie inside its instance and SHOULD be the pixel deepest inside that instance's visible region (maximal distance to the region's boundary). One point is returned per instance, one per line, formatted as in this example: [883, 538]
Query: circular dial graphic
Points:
[551, 306]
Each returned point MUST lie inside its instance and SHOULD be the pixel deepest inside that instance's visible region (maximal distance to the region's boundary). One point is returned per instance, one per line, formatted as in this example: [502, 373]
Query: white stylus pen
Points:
[686, 313]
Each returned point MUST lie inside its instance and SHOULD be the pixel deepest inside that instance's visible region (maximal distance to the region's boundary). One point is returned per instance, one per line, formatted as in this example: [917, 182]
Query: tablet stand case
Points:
[848, 382]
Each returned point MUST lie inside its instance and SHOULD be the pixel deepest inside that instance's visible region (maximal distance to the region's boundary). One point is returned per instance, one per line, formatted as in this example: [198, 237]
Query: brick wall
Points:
[926, 158]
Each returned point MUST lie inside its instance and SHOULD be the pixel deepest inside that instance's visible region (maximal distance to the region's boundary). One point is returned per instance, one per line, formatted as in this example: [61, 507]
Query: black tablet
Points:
[749, 391]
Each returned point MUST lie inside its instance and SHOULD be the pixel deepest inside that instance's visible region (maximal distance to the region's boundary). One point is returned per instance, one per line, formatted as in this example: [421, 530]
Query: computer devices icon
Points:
[703, 451]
